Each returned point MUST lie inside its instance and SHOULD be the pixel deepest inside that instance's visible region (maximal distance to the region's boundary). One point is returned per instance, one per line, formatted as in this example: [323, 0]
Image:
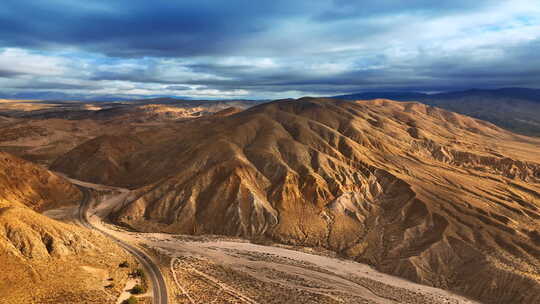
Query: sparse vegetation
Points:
[131, 300]
[137, 289]
[124, 264]
[138, 273]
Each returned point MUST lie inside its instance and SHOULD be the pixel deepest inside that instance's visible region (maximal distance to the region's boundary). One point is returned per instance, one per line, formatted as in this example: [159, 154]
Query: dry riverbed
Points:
[213, 269]
[223, 270]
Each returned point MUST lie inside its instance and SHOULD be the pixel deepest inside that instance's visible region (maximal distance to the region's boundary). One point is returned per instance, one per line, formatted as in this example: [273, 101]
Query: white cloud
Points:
[400, 47]
[21, 61]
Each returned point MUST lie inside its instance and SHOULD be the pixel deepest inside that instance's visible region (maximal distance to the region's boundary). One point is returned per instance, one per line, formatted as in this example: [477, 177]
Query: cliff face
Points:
[416, 191]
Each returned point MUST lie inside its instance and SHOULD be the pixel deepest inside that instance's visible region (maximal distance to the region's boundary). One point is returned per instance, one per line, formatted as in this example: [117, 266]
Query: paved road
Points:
[153, 273]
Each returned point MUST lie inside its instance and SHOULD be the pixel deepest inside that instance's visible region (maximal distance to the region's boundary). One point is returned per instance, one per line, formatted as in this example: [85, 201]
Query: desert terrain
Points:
[306, 200]
[218, 269]
[416, 191]
[281, 152]
[48, 261]
[515, 109]
[41, 131]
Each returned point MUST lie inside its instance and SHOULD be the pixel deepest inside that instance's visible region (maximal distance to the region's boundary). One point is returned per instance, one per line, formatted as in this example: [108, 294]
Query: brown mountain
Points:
[417, 191]
[516, 109]
[43, 260]
[40, 131]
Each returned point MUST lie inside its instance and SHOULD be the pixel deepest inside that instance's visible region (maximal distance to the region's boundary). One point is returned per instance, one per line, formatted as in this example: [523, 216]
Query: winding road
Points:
[153, 273]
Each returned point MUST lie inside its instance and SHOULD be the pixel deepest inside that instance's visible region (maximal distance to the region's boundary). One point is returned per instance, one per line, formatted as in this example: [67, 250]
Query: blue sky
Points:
[265, 49]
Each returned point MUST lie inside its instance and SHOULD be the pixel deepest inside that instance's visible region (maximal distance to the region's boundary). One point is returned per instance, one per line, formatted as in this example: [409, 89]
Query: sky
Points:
[248, 49]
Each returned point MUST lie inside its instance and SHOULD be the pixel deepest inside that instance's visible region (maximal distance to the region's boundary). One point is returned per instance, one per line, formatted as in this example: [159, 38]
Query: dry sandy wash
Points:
[415, 191]
[228, 271]
[213, 269]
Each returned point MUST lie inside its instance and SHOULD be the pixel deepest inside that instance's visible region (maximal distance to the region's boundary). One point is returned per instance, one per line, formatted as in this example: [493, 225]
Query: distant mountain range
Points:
[62, 96]
[516, 109]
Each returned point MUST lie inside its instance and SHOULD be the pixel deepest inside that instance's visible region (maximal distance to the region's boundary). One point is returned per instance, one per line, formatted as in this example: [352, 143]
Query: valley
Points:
[231, 270]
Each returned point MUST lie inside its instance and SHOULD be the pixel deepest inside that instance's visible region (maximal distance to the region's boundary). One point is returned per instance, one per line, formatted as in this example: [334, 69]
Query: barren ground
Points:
[211, 269]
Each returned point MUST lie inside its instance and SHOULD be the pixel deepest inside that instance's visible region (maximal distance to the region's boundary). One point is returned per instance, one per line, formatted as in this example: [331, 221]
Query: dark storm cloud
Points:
[456, 72]
[138, 75]
[421, 73]
[8, 73]
[267, 47]
[190, 27]
[37, 85]
[137, 27]
[178, 88]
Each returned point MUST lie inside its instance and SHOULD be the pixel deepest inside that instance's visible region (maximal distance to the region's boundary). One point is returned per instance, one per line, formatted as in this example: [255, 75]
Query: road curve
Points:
[153, 273]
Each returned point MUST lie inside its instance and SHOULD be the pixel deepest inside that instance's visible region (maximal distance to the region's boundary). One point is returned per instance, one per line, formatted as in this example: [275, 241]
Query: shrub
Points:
[137, 289]
[131, 300]
[138, 273]
[124, 264]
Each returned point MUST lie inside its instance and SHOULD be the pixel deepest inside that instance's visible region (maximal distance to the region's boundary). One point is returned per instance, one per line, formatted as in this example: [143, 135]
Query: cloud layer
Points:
[266, 49]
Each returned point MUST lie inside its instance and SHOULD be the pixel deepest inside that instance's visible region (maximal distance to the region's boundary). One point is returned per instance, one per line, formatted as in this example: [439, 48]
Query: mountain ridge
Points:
[516, 109]
[413, 190]
[525, 93]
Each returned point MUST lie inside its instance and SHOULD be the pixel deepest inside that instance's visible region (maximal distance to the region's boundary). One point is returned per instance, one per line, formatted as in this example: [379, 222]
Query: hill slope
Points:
[40, 131]
[43, 260]
[517, 109]
[420, 192]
